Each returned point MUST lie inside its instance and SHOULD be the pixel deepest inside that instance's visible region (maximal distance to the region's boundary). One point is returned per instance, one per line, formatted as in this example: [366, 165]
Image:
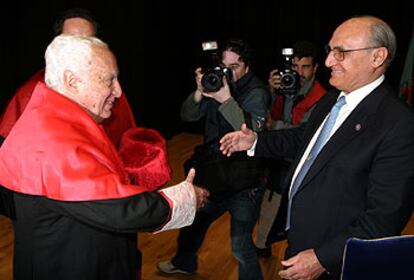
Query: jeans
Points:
[244, 209]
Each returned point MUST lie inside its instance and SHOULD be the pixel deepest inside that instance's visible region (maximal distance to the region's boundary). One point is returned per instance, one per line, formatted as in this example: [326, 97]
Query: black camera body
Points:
[212, 79]
[289, 79]
[213, 73]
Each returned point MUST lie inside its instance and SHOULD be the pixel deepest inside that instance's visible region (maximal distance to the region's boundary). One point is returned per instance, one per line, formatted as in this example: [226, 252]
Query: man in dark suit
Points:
[360, 183]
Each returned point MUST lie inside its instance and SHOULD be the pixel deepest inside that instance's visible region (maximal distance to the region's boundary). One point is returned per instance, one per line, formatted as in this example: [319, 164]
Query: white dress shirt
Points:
[352, 100]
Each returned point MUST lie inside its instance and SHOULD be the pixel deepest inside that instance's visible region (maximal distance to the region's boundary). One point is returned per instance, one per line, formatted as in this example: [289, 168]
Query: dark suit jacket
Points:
[6, 198]
[362, 182]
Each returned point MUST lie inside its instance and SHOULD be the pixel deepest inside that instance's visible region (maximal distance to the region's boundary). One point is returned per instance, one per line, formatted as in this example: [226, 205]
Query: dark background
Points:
[158, 43]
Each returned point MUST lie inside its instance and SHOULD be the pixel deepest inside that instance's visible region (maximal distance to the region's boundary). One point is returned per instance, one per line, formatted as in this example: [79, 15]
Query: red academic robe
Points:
[77, 215]
[70, 141]
[121, 120]
[143, 151]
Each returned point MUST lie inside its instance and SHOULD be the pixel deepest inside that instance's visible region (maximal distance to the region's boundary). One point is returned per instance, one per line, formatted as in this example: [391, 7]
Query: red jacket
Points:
[300, 109]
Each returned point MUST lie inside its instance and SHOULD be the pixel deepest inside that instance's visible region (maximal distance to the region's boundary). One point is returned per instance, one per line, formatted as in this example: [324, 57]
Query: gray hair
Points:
[382, 35]
[68, 52]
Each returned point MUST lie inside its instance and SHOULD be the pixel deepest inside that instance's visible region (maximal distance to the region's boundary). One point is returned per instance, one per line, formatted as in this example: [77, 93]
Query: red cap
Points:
[143, 152]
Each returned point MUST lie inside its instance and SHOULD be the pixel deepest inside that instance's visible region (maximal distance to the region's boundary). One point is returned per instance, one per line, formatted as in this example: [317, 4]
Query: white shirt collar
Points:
[353, 98]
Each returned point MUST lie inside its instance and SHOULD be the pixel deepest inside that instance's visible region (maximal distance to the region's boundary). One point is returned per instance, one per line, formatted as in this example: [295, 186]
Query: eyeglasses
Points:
[339, 53]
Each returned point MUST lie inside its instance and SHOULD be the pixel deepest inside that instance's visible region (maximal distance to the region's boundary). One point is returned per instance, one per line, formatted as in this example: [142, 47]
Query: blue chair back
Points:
[383, 258]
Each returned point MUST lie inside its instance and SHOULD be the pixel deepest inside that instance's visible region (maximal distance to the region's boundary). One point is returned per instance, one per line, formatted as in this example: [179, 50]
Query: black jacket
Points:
[361, 183]
[221, 175]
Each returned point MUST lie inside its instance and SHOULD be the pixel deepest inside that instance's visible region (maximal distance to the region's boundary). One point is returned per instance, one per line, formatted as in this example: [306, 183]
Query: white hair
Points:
[68, 52]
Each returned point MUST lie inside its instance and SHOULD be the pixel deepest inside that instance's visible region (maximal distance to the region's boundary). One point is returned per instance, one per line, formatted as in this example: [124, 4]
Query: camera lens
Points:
[212, 80]
[288, 80]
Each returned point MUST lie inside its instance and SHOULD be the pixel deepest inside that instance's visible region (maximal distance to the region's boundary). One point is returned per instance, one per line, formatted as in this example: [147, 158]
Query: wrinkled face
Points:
[99, 87]
[78, 26]
[357, 67]
[305, 68]
[232, 60]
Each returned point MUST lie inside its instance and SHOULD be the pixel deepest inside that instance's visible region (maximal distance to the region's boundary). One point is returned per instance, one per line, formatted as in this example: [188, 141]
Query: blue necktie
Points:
[319, 143]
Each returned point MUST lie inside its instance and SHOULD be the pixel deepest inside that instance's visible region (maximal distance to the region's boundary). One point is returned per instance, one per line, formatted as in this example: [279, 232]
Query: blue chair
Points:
[383, 258]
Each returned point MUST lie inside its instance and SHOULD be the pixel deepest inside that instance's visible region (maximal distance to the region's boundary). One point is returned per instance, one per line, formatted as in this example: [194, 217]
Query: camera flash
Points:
[287, 51]
[209, 45]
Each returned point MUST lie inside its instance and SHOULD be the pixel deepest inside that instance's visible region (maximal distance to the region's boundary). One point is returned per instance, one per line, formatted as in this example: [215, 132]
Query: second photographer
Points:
[293, 105]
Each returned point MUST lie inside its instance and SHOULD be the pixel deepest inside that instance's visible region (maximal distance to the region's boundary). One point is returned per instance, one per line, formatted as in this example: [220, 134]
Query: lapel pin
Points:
[358, 127]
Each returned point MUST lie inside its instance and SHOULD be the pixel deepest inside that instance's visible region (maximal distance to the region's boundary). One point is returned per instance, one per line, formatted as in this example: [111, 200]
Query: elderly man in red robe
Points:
[142, 151]
[76, 212]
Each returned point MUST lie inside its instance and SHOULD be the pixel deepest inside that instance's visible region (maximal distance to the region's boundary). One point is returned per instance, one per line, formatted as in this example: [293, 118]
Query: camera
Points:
[212, 79]
[289, 79]
[213, 73]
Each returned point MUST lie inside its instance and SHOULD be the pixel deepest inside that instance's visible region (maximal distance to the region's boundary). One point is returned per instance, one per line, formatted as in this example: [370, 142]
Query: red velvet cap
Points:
[143, 152]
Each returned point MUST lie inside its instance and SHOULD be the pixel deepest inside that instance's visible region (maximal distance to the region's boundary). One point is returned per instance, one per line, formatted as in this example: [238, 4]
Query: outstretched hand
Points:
[201, 194]
[237, 141]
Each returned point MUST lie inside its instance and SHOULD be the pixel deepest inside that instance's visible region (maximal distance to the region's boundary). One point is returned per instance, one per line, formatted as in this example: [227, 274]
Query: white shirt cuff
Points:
[183, 199]
[251, 151]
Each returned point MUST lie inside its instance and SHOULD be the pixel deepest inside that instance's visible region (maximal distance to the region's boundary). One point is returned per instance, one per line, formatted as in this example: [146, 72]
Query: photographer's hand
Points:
[274, 80]
[198, 95]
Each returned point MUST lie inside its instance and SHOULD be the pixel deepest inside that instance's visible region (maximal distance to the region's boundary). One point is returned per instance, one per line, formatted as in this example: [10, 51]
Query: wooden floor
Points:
[215, 260]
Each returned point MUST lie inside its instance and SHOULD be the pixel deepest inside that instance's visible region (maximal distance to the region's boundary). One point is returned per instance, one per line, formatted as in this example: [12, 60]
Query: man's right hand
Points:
[237, 141]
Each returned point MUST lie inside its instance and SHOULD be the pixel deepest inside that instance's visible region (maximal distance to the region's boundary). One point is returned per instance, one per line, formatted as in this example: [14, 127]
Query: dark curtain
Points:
[158, 43]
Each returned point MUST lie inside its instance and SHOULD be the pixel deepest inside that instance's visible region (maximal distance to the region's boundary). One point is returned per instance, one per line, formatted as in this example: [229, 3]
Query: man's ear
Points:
[71, 80]
[379, 57]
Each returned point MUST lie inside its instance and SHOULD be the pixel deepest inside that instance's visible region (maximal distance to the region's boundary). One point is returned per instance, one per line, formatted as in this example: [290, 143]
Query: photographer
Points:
[236, 185]
[289, 108]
